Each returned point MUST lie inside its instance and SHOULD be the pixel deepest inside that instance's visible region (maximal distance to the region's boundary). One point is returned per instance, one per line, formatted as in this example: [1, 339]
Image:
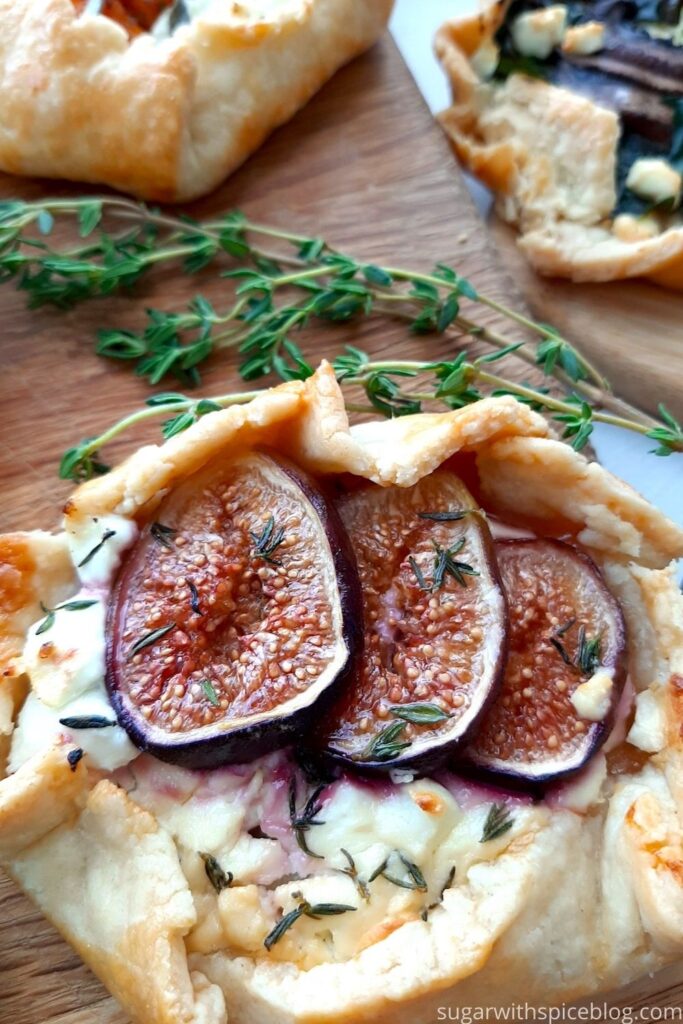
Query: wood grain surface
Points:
[364, 166]
[631, 330]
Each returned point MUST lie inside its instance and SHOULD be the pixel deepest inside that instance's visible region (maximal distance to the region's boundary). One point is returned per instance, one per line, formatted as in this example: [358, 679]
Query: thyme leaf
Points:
[163, 534]
[448, 883]
[107, 535]
[282, 926]
[446, 564]
[67, 606]
[75, 606]
[268, 541]
[445, 517]
[386, 745]
[47, 623]
[379, 870]
[194, 598]
[87, 722]
[498, 822]
[210, 692]
[420, 714]
[444, 888]
[304, 909]
[150, 638]
[414, 873]
[219, 878]
[561, 650]
[419, 575]
[413, 877]
[302, 821]
[123, 240]
[588, 655]
[74, 757]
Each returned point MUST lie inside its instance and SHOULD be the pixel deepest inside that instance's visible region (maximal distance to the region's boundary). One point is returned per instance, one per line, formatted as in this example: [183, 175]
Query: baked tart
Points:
[163, 98]
[304, 722]
[573, 115]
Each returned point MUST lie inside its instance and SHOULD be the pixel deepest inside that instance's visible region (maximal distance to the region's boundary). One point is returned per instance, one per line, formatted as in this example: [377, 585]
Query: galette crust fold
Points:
[574, 904]
[169, 119]
[549, 156]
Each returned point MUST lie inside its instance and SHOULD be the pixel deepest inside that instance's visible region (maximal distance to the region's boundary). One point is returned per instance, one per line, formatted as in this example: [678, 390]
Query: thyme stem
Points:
[181, 407]
[475, 371]
[333, 287]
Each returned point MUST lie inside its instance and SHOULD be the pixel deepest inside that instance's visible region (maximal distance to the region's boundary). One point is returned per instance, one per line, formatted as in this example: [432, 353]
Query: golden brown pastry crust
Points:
[575, 903]
[549, 156]
[164, 120]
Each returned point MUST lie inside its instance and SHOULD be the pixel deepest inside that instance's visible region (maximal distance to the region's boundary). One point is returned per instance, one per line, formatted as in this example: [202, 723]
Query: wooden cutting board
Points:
[631, 330]
[364, 166]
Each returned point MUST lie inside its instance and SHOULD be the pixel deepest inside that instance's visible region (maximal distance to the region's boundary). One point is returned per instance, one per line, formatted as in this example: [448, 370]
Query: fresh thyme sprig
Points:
[451, 385]
[446, 564]
[332, 286]
[82, 462]
[456, 383]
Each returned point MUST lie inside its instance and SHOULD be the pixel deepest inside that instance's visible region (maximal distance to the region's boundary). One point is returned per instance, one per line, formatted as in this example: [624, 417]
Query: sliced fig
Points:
[435, 624]
[566, 665]
[236, 616]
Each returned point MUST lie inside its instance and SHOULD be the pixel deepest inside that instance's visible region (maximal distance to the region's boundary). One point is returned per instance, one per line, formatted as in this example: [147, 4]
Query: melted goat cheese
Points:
[39, 726]
[485, 60]
[584, 39]
[592, 699]
[240, 815]
[68, 658]
[247, 11]
[649, 729]
[537, 33]
[66, 661]
[656, 180]
[96, 545]
[585, 790]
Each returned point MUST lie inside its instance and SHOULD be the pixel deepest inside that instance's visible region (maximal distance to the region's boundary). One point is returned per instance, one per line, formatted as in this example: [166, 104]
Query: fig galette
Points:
[303, 723]
[573, 115]
[163, 98]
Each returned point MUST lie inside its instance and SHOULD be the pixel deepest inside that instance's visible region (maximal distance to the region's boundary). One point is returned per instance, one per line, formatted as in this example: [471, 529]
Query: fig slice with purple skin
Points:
[565, 670]
[236, 617]
[435, 625]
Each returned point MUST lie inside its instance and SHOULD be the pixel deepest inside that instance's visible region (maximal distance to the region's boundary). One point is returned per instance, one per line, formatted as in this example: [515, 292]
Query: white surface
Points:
[413, 25]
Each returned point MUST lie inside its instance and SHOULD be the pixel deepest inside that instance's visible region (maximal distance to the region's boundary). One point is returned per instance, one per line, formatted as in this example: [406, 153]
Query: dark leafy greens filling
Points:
[628, 76]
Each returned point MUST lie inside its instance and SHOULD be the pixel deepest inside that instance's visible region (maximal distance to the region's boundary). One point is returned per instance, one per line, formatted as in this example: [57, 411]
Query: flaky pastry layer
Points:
[576, 901]
[164, 119]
